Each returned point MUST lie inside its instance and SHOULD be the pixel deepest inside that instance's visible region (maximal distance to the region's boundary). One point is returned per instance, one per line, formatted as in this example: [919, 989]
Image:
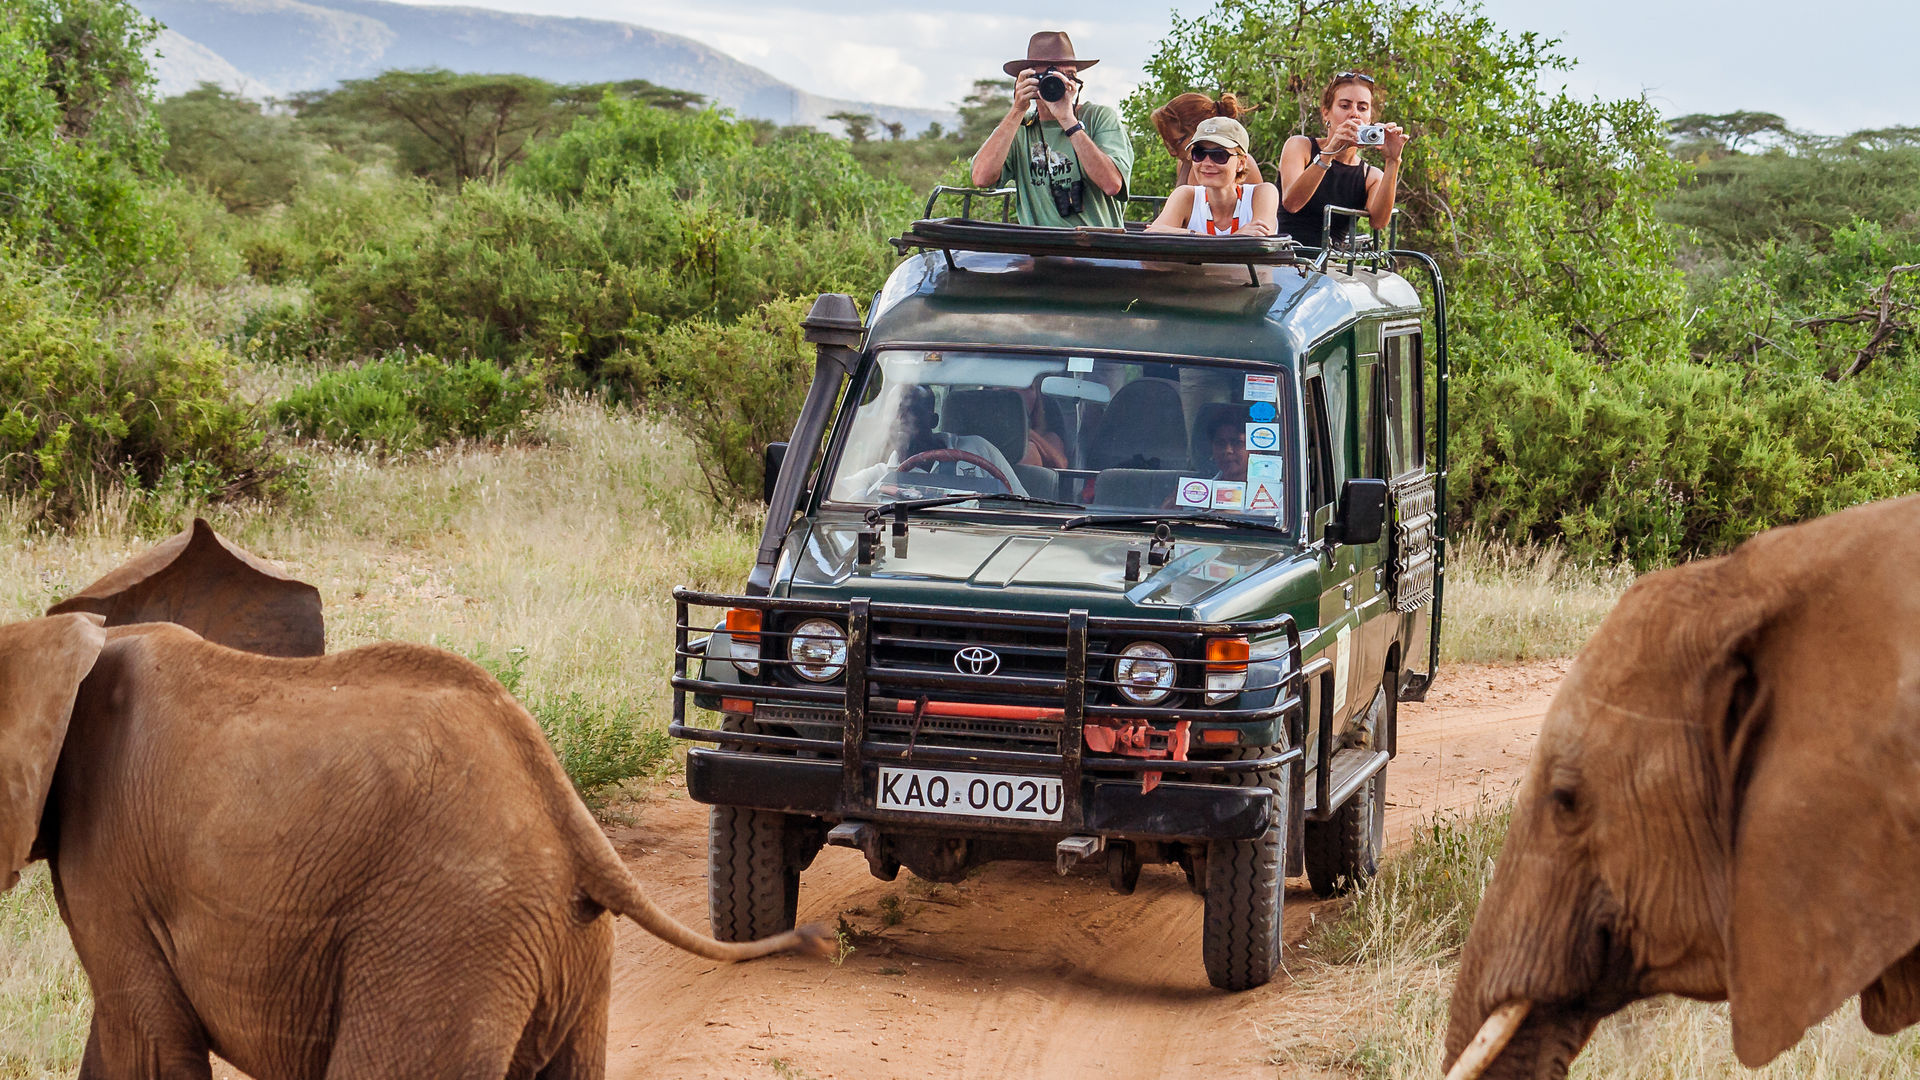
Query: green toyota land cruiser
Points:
[1086, 545]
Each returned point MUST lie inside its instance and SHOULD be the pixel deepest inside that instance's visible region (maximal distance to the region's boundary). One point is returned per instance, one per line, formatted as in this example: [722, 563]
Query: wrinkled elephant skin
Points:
[1723, 804]
[367, 864]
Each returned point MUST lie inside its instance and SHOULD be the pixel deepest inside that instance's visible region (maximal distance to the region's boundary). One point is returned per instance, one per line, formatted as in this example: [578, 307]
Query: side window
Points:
[1374, 418]
[1406, 405]
[1320, 454]
[1337, 378]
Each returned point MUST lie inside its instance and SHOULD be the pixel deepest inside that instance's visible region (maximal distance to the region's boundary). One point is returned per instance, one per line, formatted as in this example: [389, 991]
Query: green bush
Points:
[407, 402]
[1658, 461]
[599, 745]
[520, 277]
[737, 386]
[89, 402]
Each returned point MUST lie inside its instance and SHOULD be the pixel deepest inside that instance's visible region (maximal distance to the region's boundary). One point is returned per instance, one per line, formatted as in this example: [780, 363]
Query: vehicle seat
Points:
[1143, 428]
[998, 416]
[1135, 489]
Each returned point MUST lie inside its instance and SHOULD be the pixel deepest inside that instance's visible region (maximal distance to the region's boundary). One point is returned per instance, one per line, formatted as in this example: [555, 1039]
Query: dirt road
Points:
[1016, 972]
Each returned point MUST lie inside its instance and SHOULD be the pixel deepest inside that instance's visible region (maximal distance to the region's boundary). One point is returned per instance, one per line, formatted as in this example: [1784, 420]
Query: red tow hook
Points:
[1138, 739]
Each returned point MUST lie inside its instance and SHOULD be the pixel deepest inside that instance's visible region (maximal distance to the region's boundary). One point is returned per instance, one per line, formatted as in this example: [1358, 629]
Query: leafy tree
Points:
[981, 110]
[77, 142]
[451, 127]
[1699, 135]
[858, 126]
[1736, 205]
[225, 145]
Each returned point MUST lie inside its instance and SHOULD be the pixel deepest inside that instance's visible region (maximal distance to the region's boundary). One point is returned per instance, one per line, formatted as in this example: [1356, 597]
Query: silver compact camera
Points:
[1371, 135]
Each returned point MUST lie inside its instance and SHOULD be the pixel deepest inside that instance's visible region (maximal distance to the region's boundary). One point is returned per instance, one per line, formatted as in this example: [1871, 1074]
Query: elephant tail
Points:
[604, 878]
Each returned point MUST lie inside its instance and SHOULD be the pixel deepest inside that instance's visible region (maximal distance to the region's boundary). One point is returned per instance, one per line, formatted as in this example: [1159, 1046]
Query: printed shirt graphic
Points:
[1041, 158]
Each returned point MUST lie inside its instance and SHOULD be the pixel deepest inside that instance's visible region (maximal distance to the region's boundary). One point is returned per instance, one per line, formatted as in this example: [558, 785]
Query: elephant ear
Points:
[200, 581]
[1824, 791]
[42, 662]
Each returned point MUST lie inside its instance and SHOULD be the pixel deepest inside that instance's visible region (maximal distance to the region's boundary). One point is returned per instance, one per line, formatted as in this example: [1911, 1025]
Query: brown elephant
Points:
[1724, 804]
[367, 864]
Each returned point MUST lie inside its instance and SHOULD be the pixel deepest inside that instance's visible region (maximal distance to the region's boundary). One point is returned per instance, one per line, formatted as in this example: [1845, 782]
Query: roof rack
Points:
[948, 235]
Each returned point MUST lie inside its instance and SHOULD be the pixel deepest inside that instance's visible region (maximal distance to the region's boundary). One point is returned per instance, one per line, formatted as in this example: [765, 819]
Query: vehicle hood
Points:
[969, 564]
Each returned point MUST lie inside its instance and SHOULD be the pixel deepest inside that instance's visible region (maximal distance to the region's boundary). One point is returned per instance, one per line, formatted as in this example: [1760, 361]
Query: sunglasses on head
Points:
[1361, 75]
[1219, 156]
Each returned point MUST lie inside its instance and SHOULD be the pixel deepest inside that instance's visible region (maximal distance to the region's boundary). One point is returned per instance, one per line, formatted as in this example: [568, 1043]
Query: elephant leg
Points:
[146, 1042]
[583, 1053]
[413, 1030]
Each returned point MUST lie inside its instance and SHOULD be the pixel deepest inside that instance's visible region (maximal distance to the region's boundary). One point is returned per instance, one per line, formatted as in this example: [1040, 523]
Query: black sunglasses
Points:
[1361, 75]
[1219, 156]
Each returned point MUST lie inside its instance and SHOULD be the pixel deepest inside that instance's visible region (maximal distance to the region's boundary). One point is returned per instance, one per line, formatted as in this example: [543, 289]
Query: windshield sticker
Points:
[1263, 437]
[1079, 363]
[1262, 411]
[1195, 492]
[1229, 495]
[1263, 496]
[1264, 466]
[1262, 388]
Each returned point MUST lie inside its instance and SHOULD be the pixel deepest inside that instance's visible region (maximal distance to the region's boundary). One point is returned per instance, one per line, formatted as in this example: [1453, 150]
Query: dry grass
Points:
[1507, 602]
[1386, 968]
[43, 993]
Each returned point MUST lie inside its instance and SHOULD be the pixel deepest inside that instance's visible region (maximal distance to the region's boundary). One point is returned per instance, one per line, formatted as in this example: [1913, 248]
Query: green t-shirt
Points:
[1041, 158]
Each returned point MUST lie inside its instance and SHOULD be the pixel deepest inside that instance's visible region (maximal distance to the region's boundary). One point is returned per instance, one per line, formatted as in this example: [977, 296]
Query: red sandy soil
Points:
[1016, 972]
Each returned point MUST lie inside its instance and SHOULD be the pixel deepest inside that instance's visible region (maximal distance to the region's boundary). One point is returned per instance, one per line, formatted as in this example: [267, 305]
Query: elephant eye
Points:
[1565, 800]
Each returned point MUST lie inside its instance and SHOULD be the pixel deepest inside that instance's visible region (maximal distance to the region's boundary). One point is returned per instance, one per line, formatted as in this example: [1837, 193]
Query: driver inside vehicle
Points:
[915, 443]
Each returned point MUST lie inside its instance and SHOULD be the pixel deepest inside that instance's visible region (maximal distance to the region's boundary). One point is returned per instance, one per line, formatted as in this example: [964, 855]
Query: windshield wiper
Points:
[902, 507]
[1169, 519]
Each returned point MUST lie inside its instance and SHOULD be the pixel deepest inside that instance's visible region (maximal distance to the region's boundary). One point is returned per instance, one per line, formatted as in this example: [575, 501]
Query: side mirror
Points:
[1362, 513]
[776, 456]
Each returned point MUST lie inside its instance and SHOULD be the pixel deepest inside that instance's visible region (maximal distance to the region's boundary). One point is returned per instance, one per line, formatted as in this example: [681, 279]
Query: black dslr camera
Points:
[1053, 85]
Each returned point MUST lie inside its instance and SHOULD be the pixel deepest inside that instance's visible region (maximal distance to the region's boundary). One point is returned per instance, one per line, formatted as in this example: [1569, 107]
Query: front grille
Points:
[931, 648]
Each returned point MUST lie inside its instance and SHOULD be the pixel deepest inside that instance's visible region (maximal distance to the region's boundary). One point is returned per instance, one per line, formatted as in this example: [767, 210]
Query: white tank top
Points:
[1201, 219]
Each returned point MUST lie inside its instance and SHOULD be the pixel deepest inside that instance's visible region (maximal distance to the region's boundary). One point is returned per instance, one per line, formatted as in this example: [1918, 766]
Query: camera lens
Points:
[1053, 86]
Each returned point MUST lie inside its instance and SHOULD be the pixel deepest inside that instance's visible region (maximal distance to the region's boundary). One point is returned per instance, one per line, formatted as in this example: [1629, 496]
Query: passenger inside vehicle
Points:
[1110, 436]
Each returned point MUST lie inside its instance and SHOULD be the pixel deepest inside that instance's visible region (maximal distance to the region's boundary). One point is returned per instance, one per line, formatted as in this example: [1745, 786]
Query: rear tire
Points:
[753, 890]
[1246, 888]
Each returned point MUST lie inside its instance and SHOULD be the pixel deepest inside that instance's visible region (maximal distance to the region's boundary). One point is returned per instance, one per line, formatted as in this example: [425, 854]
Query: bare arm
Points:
[1382, 184]
[1174, 212]
[1095, 165]
[991, 160]
[1266, 210]
[1299, 177]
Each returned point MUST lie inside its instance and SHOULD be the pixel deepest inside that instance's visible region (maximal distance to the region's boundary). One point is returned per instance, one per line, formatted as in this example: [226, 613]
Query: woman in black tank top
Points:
[1314, 176]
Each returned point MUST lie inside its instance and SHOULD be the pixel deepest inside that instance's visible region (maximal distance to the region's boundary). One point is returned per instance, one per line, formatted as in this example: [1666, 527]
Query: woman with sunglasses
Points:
[1221, 202]
[1315, 175]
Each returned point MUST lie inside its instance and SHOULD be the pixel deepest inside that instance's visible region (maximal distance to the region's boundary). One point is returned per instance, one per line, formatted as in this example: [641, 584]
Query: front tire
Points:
[753, 889]
[1246, 888]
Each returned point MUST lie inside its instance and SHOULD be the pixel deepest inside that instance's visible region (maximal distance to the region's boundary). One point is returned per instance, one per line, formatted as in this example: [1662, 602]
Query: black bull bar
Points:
[853, 761]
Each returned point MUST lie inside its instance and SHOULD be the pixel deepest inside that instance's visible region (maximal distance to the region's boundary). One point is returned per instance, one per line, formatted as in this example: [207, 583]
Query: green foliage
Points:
[1540, 205]
[520, 277]
[739, 386]
[1736, 204]
[407, 402]
[88, 402]
[1658, 460]
[1422, 903]
[223, 144]
[76, 140]
[627, 140]
[599, 744]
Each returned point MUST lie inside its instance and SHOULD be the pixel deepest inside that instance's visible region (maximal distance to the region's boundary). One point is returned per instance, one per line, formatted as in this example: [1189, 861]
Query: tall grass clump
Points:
[44, 1001]
[404, 401]
[1509, 602]
[599, 744]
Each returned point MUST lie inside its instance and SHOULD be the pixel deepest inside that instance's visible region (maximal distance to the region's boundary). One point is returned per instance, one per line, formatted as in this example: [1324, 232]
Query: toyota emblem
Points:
[974, 660]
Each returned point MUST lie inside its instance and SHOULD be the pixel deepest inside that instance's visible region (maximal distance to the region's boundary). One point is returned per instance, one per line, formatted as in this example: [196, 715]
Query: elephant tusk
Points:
[1489, 1041]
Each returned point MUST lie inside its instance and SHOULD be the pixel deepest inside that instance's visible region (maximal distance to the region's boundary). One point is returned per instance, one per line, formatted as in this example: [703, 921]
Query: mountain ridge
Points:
[282, 47]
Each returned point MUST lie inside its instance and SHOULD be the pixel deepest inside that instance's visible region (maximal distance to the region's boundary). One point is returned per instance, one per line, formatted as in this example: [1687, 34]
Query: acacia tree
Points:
[449, 126]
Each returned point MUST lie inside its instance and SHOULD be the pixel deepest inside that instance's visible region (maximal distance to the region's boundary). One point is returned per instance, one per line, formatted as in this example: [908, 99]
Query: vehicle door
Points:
[1328, 401]
[1412, 506]
[1379, 624]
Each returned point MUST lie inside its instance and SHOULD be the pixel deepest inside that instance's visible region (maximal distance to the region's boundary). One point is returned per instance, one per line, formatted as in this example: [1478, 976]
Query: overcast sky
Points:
[1827, 68]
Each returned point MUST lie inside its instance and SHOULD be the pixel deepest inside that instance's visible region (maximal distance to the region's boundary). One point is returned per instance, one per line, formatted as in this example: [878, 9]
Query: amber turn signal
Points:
[743, 624]
[1228, 653]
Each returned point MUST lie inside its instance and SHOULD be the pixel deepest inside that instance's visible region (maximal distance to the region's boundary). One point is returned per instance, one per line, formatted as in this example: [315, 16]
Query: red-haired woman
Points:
[1314, 175]
[1176, 121]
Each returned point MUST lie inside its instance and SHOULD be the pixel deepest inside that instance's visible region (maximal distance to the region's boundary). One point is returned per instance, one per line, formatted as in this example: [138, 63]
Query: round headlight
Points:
[1145, 673]
[818, 649]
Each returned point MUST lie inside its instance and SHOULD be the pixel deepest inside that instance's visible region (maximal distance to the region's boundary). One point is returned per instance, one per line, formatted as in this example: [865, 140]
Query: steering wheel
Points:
[934, 457]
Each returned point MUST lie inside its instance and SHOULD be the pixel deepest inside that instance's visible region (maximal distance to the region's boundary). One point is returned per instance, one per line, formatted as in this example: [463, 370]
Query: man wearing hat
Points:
[1069, 163]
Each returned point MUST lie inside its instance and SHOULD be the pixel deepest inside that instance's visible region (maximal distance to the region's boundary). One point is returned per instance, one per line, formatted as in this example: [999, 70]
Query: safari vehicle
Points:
[1180, 638]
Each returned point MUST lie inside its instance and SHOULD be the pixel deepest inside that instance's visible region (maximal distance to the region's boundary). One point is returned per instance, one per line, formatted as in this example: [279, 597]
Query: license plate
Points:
[969, 794]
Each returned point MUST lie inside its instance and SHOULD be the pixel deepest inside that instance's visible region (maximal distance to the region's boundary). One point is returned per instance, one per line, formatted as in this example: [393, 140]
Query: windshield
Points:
[1110, 436]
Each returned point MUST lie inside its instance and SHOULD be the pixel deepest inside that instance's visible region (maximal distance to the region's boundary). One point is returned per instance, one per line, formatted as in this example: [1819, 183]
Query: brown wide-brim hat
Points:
[1047, 47]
